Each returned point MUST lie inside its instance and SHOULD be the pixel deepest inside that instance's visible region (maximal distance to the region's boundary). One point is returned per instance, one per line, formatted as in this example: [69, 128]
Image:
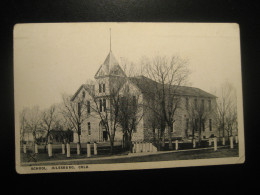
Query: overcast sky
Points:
[52, 59]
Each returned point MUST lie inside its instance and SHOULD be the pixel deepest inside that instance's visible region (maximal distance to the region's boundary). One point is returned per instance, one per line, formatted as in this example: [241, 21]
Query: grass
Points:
[180, 155]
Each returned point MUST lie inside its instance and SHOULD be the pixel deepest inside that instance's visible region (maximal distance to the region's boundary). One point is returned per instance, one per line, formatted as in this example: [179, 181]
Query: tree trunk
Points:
[79, 141]
[46, 141]
[199, 141]
[111, 139]
[170, 128]
[163, 139]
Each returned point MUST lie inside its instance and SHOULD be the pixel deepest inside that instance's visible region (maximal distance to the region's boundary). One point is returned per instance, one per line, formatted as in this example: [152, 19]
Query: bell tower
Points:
[108, 74]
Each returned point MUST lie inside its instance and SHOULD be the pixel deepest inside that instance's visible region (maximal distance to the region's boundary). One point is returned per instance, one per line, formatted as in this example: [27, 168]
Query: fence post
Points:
[140, 146]
[147, 147]
[144, 147]
[223, 141]
[95, 148]
[88, 150]
[50, 149]
[215, 144]
[231, 142]
[63, 148]
[137, 147]
[24, 148]
[133, 148]
[194, 143]
[210, 141]
[151, 147]
[68, 150]
[36, 148]
[176, 144]
[236, 139]
[78, 148]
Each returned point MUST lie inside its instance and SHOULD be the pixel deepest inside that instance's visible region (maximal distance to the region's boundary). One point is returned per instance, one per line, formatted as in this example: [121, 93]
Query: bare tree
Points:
[106, 107]
[169, 74]
[130, 114]
[22, 118]
[48, 122]
[227, 109]
[198, 115]
[75, 114]
[33, 122]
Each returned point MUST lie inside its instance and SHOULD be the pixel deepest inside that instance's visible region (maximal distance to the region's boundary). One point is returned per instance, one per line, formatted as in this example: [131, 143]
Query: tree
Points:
[22, 118]
[227, 109]
[75, 113]
[48, 122]
[130, 114]
[169, 74]
[33, 122]
[198, 114]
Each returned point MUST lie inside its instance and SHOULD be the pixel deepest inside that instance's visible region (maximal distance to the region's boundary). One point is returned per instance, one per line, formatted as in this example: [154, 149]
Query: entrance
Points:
[103, 135]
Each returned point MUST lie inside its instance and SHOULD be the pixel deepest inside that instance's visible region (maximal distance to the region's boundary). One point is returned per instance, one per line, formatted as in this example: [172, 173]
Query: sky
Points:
[56, 58]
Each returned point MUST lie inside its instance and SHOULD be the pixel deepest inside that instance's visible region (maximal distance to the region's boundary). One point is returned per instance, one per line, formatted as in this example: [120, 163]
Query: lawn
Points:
[180, 155]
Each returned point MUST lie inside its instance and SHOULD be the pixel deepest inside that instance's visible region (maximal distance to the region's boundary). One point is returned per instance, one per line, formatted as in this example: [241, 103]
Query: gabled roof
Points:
[88, 88]
[147, 86]
[110, 67]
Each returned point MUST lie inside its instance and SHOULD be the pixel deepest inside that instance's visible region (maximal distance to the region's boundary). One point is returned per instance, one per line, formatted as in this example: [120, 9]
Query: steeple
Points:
[110, 67]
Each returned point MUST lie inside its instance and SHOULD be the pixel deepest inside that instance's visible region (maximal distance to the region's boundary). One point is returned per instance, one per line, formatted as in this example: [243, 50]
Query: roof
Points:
[110, 67]
[88, 88]
[147, 85]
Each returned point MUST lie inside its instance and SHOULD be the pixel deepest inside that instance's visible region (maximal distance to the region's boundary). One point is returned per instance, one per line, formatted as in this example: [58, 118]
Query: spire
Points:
[110, 38]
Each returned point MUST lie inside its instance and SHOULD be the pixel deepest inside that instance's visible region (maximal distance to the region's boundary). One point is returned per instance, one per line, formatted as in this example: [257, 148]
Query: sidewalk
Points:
[130, 155]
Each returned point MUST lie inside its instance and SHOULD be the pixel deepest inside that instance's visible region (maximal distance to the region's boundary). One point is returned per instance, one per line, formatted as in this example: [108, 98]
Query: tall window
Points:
[202, 104]
[104, 87]
[187, 103]
[209, 101]
[210, 124]
[79, 109]
[88, 106]
[83, 94]
[104, 104]
[89, 129]
[100, 105]
[100, 88]
[195, 103]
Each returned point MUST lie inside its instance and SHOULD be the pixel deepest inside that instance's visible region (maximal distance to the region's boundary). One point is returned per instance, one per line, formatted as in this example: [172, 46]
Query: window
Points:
[209, 101]
[83, 94]
[187, 103]
[104, 104]
[202, 104]
[88, 106]
[104, 87]
[100, 88]
[79, 109]
[195, 103]
[89, 129]
[210, 124]
[100, 105]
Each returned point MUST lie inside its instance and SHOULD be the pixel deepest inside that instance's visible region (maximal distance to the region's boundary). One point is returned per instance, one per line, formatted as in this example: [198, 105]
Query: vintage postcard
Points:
[124, 96]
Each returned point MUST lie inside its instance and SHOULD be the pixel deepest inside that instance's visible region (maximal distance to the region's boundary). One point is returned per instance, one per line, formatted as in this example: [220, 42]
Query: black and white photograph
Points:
[110, 96]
